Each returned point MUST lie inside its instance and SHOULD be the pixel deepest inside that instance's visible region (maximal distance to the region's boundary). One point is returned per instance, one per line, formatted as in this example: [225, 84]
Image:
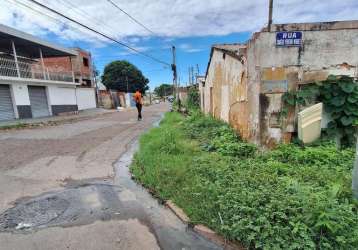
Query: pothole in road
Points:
[33, 214]
[70, 207]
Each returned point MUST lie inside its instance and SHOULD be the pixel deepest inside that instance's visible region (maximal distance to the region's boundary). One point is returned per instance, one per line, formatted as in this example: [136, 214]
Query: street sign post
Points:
[289, 39]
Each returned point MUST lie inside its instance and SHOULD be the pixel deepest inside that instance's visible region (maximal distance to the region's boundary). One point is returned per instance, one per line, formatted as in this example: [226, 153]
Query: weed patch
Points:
[289, 198]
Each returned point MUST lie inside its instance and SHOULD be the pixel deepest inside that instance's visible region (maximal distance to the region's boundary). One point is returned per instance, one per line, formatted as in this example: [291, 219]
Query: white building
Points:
[27, 88]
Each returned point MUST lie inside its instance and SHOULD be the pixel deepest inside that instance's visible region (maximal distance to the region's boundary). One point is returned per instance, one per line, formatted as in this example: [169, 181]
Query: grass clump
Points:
[14, 126]
[288, 198]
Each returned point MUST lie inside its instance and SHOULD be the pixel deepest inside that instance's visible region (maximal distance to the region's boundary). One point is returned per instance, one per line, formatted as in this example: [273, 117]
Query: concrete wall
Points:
[202, 95]
[21, 94]
[62, 95]
[62, 99]
[183, 95]
[86, 98]
[129, 100]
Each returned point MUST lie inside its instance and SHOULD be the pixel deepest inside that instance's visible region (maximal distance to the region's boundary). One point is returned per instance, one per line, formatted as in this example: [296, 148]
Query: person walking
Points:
[138, 103]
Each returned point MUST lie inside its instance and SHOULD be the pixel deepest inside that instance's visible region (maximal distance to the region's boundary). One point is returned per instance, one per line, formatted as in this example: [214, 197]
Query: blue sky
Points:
[190, 52]
[191, 25]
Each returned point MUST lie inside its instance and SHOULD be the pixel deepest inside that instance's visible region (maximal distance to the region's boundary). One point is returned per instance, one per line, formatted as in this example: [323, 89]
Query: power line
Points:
[56, 20]
[97, 20]
[80, 11]
[134, 19]
[131, 17]
[99, 33]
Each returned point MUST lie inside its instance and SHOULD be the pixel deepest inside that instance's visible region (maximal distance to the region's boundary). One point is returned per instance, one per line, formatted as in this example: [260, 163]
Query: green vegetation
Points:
[123, 76]
[339, 95]
[193, 101]
[164, 90]
[288, 198]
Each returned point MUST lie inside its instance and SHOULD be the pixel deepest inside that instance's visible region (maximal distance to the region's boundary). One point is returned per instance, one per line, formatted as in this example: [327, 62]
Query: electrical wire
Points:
[80, 11]
[99, 33]
[131, 17]
[135, 20]
[56, 20]
[97, 21]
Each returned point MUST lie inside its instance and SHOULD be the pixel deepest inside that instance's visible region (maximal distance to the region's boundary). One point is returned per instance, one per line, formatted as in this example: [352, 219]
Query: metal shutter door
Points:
[6, 108]
[38, 101]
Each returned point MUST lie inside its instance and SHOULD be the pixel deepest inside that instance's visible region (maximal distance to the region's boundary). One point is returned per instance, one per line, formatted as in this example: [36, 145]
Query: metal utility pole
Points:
[197, 70]
[270, 15]
[174, 69]
[189, 71]
[192, 76]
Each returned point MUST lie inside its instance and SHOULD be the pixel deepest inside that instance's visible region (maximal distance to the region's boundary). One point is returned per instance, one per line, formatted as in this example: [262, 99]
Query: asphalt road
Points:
[68, 187]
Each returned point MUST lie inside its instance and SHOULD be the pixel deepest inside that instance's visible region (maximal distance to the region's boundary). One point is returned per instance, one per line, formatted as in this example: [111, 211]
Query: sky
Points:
[193, 26]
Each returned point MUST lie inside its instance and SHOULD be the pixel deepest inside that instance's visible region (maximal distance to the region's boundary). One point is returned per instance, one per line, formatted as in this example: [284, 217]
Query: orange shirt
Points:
[137, 97]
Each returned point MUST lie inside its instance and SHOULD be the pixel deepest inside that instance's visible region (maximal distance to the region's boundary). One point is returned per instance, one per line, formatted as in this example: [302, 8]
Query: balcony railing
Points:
[33, 70]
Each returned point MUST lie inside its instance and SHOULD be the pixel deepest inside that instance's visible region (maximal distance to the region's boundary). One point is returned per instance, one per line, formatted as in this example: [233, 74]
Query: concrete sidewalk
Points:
[83, 114]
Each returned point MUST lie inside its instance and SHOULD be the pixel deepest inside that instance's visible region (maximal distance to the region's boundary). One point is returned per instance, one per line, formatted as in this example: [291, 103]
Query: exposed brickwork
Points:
[58, 64]
[81, 65]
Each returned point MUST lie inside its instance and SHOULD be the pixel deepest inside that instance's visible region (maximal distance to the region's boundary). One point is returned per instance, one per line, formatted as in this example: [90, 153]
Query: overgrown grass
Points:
[288, 198]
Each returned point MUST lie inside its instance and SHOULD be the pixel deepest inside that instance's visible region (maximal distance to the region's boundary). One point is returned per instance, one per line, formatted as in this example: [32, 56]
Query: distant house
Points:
[31, 88]
[244, 83]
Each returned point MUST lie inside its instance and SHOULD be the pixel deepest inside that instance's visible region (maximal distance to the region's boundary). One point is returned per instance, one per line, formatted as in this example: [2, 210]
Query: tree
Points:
[164, 90]
[124, 76]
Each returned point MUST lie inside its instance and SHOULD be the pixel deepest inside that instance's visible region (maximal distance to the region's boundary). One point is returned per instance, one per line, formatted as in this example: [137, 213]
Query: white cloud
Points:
[138, 48]
[189, 48]
[169, 18]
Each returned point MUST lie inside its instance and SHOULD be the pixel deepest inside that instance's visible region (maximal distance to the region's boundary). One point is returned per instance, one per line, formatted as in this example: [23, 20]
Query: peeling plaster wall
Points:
[225, 91]
[326, 51]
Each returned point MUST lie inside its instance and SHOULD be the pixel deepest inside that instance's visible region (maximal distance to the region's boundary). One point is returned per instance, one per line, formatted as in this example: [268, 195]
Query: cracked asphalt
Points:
[69, 187]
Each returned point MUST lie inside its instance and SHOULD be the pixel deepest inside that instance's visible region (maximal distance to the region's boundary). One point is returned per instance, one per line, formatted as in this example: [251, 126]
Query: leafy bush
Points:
[339, 95]
[193, 101]
[288, 198]
[217, 136]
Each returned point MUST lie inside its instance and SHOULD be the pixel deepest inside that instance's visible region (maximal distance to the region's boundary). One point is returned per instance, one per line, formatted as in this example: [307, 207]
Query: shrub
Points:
[193, 100]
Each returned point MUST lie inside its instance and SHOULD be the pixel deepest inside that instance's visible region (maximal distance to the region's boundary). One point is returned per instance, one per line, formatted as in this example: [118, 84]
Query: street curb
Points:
[214, 237]
[60, 119]
[178, 212]
[203, 230]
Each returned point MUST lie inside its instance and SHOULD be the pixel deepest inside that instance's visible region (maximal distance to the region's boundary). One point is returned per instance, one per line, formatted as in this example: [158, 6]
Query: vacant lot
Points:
[288, 198]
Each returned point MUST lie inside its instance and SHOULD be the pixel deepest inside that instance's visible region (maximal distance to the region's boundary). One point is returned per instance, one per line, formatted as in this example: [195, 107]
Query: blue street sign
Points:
[288, 39]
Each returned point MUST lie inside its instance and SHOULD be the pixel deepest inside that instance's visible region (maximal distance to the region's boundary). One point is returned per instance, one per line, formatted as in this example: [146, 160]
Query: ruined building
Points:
[244, 83]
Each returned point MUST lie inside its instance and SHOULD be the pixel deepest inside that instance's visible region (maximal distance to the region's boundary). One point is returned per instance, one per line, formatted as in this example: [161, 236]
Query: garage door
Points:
[38, 101]
[6, 108]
